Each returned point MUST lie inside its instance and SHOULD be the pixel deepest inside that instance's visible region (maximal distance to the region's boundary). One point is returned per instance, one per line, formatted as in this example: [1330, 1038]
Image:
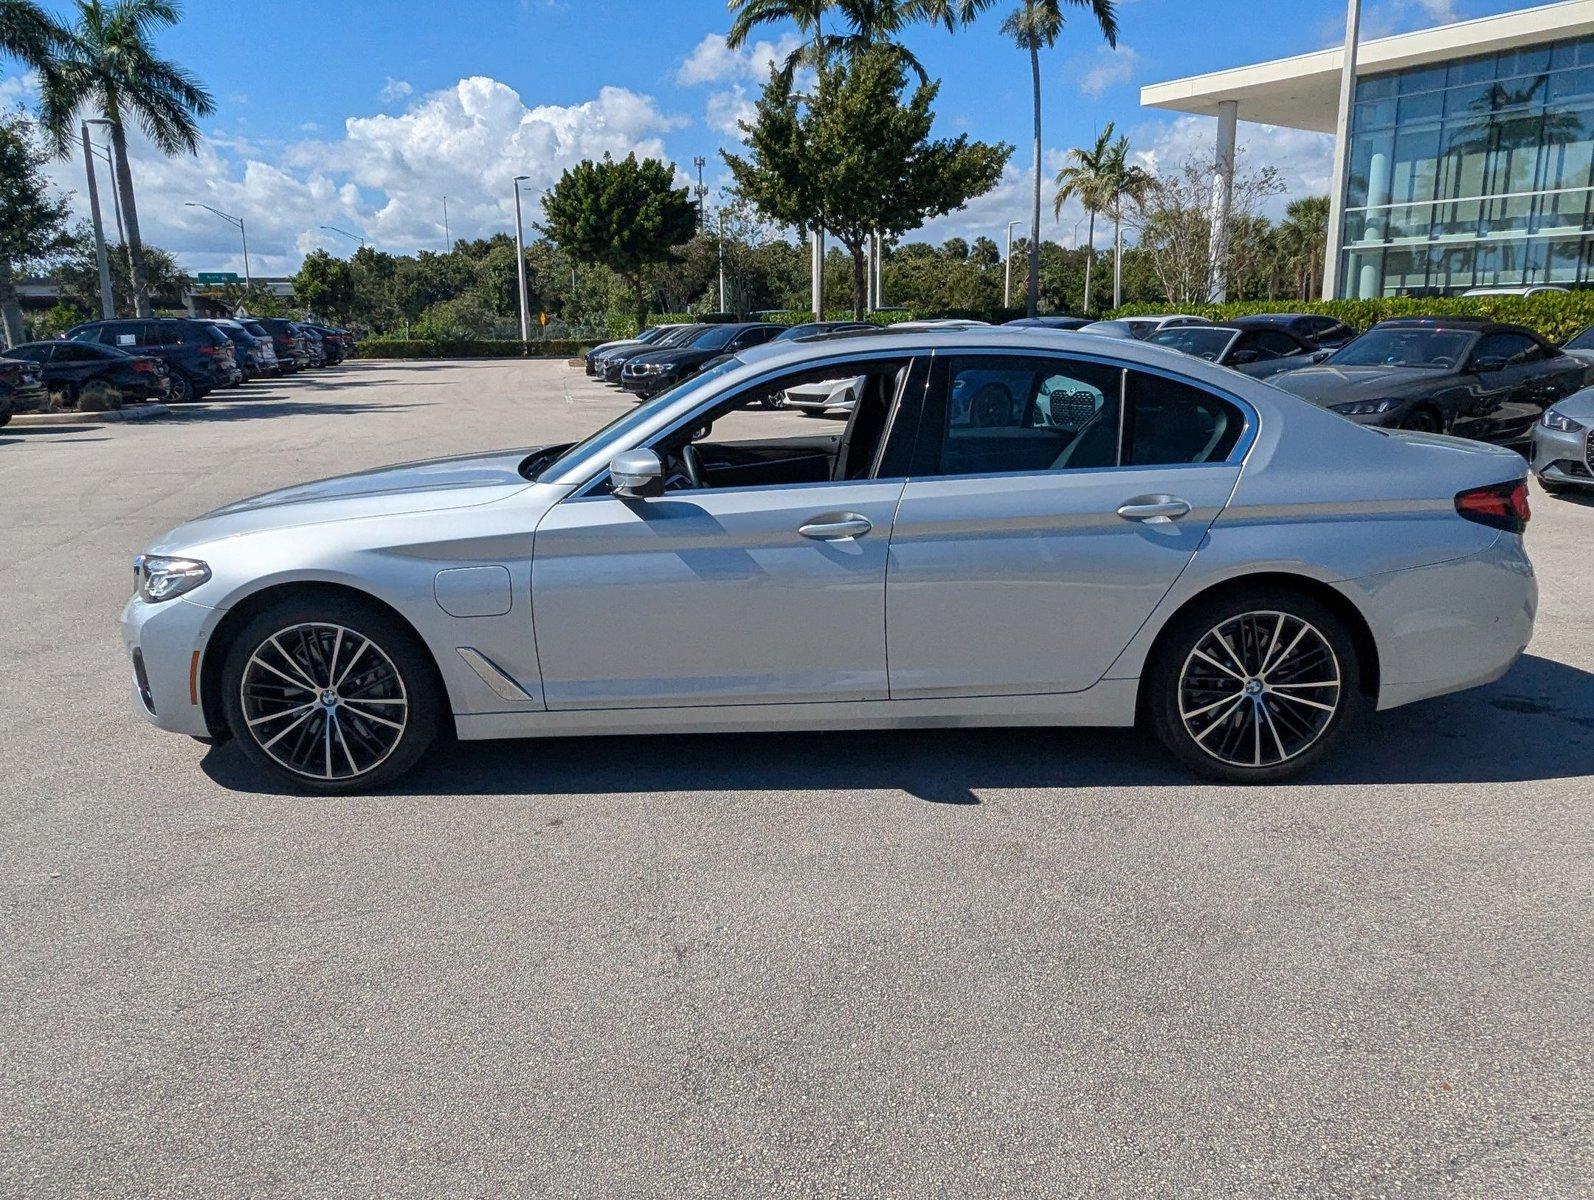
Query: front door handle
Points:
[1154, 510]
[836, 527]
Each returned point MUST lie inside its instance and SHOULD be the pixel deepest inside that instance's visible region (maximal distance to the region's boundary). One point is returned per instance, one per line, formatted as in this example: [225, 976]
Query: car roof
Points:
[1276, 318]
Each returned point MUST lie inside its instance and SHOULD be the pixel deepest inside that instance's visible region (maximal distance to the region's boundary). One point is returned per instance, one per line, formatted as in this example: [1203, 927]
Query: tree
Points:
[32, 218]
[856, 158]
[1173, 218]
[27, 33]
[1303, 239]
[1126, 183]
[79, 274]
[1036, 25]
[1087, 178]
[107, 63]
[325, 285]
[625, 215]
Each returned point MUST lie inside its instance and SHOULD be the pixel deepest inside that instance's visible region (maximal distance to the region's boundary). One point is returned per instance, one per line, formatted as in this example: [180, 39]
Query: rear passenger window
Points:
[1170, 423]
[1026, 413]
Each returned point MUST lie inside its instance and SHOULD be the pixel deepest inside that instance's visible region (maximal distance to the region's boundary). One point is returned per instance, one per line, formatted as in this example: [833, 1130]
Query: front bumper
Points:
[168, 639]
[1565, 458]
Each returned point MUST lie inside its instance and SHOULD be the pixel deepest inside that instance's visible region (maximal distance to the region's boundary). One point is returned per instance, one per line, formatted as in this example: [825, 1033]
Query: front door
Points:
[755, 593]
[1026, 554]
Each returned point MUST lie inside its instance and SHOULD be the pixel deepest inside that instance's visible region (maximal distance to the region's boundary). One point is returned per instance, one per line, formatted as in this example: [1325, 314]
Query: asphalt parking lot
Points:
[1003, 962]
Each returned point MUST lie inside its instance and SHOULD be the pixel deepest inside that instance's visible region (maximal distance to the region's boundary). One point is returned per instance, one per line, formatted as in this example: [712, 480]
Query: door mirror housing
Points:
[636, 475]
[1321, 355]
[1484, 366]
[1243, 357]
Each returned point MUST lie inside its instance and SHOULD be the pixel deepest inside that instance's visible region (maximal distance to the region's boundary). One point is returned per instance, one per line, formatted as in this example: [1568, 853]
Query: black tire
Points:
[182, 390]
[361, 758]
[1217, 746]
[1422, 420]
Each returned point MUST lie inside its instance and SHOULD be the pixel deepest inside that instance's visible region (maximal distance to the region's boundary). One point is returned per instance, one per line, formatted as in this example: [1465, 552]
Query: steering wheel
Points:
[691, 465]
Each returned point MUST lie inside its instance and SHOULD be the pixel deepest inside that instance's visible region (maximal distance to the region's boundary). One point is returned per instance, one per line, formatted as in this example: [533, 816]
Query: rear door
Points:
[1026, 555]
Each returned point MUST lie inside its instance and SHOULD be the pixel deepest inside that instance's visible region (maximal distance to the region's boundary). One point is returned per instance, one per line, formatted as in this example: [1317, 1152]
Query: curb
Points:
[140, 412]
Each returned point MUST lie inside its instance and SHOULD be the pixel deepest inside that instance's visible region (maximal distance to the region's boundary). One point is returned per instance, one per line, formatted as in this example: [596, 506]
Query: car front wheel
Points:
[330, 696]
[1254, 687]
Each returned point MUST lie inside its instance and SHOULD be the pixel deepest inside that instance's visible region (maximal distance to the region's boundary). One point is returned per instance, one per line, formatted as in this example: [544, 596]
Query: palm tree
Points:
[1036, 25]
[1302, 235]
[27, 33]
[1126, 182]
[1086, 177]
[108, 63]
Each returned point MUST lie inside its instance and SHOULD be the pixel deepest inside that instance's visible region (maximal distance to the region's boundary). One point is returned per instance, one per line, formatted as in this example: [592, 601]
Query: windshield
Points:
[1405, 348]
[620, 430]
[1201, 341]
[714, 337]
[1583, 341]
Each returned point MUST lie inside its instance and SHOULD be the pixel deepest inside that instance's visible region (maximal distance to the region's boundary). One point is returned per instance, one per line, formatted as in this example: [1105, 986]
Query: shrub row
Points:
[548, 348]
[1554, 315]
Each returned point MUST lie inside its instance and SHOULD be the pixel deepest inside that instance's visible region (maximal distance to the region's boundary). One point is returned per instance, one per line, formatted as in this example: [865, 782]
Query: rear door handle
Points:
[836, 527]
[1154, 510]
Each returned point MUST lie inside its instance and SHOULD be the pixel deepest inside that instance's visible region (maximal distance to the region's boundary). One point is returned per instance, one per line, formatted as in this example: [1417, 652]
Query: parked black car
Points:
[314, 345]
[250, 349]
[100, 376]
[1328, 332]
[289, 342]
[1466, 376]
[1258, 352]
[651, 372]
[648, 337]
[335, 343]
[1052, 322]
[199, 356]
[20, 387]
[614, 360]
[823, 329]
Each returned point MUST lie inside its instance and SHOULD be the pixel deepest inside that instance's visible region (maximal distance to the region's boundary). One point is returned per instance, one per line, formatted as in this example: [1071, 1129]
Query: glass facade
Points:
[1472, 173]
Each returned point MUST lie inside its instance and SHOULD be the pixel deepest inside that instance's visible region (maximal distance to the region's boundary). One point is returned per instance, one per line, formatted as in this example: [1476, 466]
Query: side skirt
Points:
[1109, 703]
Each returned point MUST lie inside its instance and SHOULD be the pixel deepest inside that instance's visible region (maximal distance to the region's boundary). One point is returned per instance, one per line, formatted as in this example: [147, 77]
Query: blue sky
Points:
[364, 116]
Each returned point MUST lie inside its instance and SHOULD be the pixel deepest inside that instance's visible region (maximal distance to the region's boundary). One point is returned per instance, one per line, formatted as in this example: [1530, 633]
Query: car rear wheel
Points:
[330, 696]
[181, 389]
[1254, 687]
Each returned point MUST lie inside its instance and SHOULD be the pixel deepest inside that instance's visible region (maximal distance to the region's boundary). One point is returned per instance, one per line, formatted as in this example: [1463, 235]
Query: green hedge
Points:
[549, 348]
[1554, 315]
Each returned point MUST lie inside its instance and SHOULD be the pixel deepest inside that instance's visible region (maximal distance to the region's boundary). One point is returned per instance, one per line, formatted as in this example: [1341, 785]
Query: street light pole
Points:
[107, 304]
[448, 238]
[353, 237]
[238, 221]
[1007, 263]
[520, 265]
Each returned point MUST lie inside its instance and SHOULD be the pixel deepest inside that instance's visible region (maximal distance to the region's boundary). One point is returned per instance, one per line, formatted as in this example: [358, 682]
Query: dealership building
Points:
[1469, 153]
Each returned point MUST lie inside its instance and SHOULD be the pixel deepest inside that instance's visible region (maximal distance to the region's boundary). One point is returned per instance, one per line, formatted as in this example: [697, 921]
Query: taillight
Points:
[1499, 505]
[144, 365]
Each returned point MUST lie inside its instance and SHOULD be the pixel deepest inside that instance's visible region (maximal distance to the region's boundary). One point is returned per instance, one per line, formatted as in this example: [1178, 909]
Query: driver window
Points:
[1512, 348]
[760, 435]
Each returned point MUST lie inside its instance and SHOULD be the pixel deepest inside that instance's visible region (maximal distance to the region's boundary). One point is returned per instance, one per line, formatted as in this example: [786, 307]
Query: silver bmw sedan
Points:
[1011, 528]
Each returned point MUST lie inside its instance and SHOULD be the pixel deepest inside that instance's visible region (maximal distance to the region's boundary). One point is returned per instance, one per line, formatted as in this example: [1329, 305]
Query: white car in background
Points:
[1141, 328]
[826, 397]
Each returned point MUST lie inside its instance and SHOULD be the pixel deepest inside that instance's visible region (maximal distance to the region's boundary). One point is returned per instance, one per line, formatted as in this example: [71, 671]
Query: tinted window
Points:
[1405, 348]
[1201, 342]
[1514, 348]
[1005, 413]
[31, 353]
[1583, 341]
[67, 352]
[1273, 343]
[1170, 422]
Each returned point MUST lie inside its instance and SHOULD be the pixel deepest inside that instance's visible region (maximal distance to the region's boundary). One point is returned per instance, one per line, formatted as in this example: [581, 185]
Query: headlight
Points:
[160, 578]
[1560, 422]
[1364, 408]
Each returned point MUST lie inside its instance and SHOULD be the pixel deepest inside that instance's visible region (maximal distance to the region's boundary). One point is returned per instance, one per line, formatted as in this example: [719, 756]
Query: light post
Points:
[448, 238]
[520, 265]
[353, 237]
[1007, 265]
[107, 304]
[238, 221]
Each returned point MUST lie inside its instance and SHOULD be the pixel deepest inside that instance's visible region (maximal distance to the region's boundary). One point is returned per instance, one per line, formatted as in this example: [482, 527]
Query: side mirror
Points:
[1321, 355]
[1484, 366]
[636, 475]
[1243, 357]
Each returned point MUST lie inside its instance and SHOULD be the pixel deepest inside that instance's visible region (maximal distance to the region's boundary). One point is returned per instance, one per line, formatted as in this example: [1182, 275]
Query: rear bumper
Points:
[1450, 626]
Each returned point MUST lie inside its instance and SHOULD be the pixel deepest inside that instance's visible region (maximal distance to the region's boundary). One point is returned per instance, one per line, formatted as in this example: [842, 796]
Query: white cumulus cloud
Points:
[713, 61]
[393, 89]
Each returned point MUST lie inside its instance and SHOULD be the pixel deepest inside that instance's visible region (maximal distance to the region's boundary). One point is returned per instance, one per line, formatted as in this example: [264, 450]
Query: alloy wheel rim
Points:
[1259, 689]
[324, 701]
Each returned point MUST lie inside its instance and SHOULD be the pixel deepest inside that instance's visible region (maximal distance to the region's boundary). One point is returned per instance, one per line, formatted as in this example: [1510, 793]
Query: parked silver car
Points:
[1563, 443]
[1012, 528]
